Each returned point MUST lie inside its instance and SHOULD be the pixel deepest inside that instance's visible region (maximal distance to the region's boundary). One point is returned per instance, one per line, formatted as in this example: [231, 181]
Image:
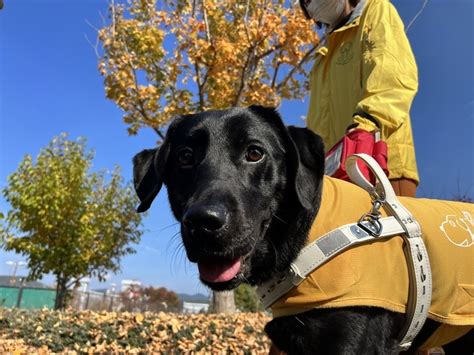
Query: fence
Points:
[95, 301]
[98, 301]
[36, 298]
[27, 297]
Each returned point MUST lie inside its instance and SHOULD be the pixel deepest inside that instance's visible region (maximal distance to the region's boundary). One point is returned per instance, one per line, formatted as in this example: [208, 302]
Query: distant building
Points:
[15, 281]
[128, 284]
[192, 307]
[84, 284]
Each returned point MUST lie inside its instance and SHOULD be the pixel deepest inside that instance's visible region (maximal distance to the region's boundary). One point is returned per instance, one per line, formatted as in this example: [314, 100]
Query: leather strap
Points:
[419, 294]
[321, 251]
[335, 242]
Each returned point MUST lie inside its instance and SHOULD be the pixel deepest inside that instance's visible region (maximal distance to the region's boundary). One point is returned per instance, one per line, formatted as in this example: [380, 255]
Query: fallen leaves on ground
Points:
[46, 331]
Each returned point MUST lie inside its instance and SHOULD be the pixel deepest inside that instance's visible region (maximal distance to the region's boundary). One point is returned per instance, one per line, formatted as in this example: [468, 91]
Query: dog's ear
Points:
[310, 164]
[149, 168]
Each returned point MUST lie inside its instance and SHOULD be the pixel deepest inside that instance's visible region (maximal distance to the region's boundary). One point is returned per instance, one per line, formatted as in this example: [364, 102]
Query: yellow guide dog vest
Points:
[376, 274]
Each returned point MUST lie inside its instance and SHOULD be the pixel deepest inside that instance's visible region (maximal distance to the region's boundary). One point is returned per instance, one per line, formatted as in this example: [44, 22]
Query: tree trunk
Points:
[223, 302]
[61, 293]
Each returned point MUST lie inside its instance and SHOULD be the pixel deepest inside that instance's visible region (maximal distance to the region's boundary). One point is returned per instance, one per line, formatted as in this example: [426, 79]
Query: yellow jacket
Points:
[376, 274]
[366, 70]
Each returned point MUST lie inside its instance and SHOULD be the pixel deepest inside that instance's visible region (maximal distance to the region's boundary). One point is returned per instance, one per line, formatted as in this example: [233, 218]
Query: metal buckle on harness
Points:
[369, 222]
[296, 278]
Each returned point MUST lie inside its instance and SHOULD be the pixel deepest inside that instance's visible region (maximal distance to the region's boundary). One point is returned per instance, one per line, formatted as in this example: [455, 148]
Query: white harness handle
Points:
[401, 223]
[419, 294]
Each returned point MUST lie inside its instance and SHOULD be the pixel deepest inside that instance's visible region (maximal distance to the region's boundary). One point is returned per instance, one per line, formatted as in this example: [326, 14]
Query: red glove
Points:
[356, 141]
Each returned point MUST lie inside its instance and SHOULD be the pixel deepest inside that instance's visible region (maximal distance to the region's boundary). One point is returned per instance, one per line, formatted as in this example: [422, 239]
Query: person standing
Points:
[364, 80]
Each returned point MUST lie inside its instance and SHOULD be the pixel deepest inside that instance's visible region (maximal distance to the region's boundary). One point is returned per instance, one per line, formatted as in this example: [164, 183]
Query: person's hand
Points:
[356, 141]
[365, 143]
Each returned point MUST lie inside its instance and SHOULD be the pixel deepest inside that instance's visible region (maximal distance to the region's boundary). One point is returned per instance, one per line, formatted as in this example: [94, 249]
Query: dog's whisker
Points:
[161, 229]
[245, 279]
[177, 257]
[177, 254]
[175, 238]
[167, 227]
[299, 320]
[184, 258]
[280, 219]
[275, 252]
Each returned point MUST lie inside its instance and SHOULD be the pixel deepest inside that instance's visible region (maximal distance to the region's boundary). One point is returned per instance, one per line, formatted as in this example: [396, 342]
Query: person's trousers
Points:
[404, 187]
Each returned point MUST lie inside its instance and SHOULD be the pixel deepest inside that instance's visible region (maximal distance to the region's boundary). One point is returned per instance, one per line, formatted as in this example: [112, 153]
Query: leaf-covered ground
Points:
[44, 332]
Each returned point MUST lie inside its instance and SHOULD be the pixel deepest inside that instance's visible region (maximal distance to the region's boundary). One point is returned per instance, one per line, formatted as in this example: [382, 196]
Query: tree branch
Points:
[160, 134]
[296, 68]
[251, 62]
[94, 47]
[204, 14]
[275, 74]
[193, 11]
[246, 16]
[270, 51]
[141, 107]
[244, 76]
[246, 20]
[200, 85]
[113, 18]
[74, 281]
[197, 69]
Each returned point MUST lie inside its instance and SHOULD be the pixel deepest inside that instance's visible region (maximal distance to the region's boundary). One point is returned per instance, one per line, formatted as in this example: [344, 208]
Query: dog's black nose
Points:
[204, 219]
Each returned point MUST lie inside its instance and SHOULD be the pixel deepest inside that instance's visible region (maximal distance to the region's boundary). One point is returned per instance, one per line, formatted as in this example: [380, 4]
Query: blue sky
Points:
[49, 84]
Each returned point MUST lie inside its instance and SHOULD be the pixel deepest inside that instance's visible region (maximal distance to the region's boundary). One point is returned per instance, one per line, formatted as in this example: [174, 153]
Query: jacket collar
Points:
[353, 21]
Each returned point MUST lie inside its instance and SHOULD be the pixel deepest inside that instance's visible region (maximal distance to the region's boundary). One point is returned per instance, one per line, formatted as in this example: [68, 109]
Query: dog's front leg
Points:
[287, 335]
[275, 351]
[354, 330]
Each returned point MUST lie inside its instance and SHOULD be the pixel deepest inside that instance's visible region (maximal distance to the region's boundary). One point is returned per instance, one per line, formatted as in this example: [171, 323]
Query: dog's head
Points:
[244, 187]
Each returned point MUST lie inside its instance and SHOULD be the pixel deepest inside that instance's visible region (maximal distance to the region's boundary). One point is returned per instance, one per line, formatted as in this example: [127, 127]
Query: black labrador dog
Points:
[246, 190]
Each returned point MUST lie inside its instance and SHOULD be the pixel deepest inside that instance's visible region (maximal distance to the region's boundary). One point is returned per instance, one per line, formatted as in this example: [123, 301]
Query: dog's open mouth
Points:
[219, 270]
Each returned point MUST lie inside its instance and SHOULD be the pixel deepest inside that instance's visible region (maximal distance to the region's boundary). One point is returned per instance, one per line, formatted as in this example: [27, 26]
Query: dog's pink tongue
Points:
[219, 272]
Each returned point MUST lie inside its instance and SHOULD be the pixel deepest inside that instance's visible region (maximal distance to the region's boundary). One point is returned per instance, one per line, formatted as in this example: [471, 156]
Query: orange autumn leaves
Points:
[132, 333]
[166, 58]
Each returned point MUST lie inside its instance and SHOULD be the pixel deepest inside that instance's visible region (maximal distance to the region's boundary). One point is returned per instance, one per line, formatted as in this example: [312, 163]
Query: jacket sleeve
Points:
[389, 75]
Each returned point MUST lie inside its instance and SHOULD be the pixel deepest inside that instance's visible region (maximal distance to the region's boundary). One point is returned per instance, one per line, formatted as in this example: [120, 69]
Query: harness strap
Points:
[420, 290]
[338, 240]
[321, 251]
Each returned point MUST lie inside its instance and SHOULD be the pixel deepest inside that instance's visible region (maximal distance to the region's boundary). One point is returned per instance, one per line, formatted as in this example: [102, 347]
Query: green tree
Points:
[246, 299]
[67, 220]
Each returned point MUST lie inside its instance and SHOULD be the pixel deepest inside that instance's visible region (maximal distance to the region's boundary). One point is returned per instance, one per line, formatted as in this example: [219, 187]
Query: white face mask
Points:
[326, 11]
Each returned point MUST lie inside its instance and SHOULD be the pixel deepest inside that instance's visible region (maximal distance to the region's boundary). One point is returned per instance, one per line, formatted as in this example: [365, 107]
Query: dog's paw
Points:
[288, 335]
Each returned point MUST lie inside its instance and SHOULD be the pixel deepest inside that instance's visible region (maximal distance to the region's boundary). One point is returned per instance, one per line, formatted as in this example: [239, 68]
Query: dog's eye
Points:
[254, 153]
[185, 157]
